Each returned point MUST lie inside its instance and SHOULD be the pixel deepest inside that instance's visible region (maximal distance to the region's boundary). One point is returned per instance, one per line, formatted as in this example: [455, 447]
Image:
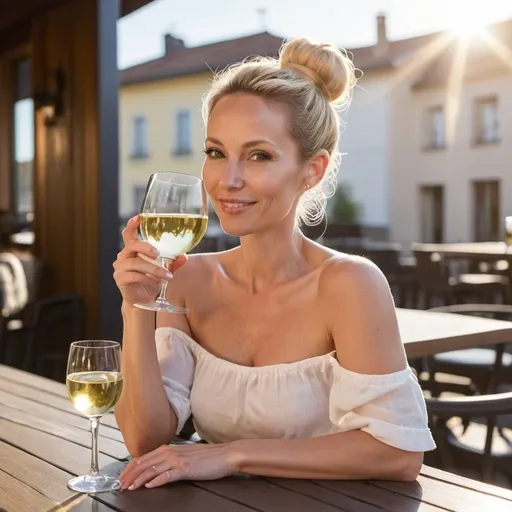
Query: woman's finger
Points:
[178, 262]
[138, 247]
[130, 231]
[150, 473]
[171, 475]
[141, 462]
[133, 470]
[124, 278]
[143, 266]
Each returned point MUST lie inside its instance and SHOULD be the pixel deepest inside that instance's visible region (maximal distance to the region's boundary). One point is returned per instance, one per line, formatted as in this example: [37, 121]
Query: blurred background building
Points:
[425, 137]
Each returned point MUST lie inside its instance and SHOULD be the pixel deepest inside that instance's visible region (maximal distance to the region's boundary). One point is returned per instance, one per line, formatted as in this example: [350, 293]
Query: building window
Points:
[182, 143]
[434, 131]
[139, 137]
[139, 193]
[487, 128]
[486, 211]
[432, 214]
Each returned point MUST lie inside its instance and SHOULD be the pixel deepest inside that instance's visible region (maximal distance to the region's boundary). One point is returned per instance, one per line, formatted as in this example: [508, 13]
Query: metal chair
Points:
[435, 280]
[453, 453]
[53, 323]
[485, 367]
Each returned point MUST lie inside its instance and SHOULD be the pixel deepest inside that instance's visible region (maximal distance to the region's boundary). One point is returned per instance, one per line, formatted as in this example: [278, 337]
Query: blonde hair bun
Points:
[325, 64]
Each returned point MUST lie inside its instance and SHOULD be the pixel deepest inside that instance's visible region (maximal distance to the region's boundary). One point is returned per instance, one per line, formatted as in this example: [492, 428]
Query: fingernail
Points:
[149, 484]
[131, 488]
[156, 252]
[169, 275]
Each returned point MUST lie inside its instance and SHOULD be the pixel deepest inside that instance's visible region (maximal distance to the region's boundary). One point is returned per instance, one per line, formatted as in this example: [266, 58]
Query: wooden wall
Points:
[76, 160]
[76, 178]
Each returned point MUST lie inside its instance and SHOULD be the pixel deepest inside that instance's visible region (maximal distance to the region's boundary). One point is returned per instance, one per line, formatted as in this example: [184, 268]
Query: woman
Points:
[290, 359]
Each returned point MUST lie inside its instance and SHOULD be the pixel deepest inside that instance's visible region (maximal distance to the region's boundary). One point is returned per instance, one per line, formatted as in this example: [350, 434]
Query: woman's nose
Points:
[233, 176]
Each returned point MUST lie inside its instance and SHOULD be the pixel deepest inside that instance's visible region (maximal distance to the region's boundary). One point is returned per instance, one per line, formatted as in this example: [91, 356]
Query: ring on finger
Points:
[154, 468]
[168, 475]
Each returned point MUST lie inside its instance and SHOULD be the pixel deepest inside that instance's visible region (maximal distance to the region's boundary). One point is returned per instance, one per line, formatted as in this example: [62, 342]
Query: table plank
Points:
[55, 401]
[43, 477]
[264, 495]
[33, 381]
[15, 496]
[83, 503]
[467, 483]
[110, 447]
[177, 497]
[426, 333]
[374, 495]
[60, 453]
[308, 488]
[58, 416]
[449, 497]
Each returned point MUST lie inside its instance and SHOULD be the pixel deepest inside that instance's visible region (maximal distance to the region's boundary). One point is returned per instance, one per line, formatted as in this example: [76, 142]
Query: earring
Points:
[307, 187]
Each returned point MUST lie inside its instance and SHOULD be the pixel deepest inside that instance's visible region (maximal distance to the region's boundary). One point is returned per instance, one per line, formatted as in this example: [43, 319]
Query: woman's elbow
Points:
[408, 466]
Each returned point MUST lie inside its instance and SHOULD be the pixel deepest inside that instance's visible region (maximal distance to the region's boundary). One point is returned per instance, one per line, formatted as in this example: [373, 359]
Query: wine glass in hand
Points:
[94, 383]
[173, 219]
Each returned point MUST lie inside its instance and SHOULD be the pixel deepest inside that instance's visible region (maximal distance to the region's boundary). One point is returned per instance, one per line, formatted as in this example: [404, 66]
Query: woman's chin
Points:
[234, 228]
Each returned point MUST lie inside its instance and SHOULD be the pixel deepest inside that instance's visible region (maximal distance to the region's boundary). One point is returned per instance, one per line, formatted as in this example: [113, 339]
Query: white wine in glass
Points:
[173, 219]
[94, 383]
[508, 231]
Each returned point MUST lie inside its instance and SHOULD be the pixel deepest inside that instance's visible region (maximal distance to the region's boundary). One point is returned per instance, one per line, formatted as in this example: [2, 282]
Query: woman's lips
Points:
[234, 207]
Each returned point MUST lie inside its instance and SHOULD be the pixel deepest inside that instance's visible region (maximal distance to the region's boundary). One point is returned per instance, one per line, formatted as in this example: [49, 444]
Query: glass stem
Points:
[163, 290]
[95, 423]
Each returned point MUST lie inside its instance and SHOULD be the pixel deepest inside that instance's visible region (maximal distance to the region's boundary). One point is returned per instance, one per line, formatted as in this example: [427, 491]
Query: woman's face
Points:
[252, 171]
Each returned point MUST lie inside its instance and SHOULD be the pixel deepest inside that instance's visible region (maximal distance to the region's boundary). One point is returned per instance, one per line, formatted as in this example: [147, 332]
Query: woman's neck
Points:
[271, 257]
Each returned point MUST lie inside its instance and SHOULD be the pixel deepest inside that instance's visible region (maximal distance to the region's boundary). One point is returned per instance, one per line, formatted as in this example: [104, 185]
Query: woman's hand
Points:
[179, 462]
[138, 279]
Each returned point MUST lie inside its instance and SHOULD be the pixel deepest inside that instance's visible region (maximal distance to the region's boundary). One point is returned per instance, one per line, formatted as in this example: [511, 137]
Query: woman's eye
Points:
[259, 156]
[213, 153]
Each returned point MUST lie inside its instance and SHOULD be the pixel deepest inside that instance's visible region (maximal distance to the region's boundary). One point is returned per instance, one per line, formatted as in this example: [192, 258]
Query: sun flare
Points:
[468, 24]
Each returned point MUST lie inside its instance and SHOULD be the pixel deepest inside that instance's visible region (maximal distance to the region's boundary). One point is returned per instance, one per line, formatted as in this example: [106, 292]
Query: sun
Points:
[467, 24]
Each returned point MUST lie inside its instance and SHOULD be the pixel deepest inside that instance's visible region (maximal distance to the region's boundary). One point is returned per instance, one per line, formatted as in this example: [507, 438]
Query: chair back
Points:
[490, 407]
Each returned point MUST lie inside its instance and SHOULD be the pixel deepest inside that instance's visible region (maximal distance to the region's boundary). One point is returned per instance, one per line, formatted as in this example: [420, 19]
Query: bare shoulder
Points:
[344, 273]
[360, 315]
[189, 280]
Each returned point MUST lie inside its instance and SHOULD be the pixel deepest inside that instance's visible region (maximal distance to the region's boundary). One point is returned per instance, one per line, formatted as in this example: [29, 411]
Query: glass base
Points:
[162, 306]
[94, 483]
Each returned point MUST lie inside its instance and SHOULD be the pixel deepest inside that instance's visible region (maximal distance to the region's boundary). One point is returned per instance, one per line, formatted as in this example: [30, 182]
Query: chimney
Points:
[382, 46]
[172, 43]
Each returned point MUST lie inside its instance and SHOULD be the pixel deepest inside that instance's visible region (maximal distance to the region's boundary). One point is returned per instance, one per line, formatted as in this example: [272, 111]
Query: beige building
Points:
[451, 166]
[161, 127]
[425, 137]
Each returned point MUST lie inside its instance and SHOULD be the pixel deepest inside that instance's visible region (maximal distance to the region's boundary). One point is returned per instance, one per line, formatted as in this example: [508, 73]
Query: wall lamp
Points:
[52, 103]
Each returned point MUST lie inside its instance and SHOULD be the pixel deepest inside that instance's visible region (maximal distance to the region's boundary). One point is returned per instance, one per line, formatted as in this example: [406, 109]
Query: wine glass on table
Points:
[173, 219]
[94, 383]
[508, 232]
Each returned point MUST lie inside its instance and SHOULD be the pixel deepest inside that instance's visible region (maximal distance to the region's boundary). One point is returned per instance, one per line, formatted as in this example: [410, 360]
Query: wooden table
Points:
[486, 251]
[44, 441]
[425, 333]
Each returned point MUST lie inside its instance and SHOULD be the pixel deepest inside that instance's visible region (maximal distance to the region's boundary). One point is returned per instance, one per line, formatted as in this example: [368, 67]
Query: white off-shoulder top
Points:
[308, 398]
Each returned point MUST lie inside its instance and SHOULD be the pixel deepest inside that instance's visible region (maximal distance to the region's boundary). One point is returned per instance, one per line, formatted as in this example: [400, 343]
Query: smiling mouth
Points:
[234, 207]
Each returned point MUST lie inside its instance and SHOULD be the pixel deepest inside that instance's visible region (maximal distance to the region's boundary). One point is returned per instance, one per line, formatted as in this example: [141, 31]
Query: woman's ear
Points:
[317, 167]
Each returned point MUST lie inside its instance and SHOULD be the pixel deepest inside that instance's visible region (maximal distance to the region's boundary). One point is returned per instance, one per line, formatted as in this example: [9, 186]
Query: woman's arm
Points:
[143, 412]
[361, 317]
[353, 455]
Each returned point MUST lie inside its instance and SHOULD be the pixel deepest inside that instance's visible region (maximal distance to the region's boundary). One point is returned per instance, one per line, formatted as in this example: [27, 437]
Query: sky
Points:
[348, 23]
